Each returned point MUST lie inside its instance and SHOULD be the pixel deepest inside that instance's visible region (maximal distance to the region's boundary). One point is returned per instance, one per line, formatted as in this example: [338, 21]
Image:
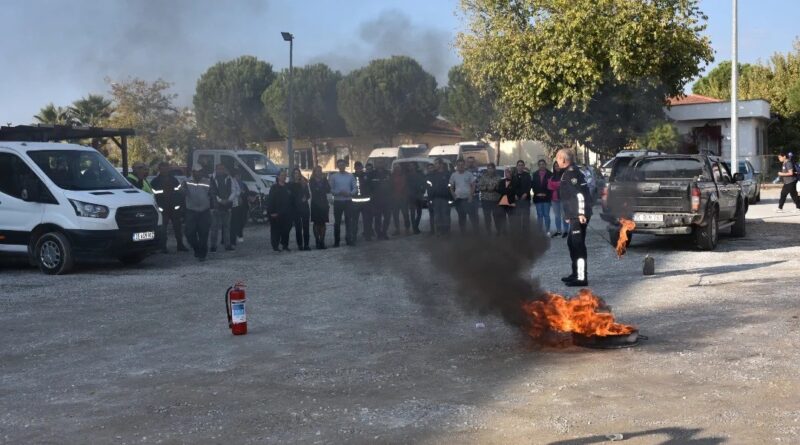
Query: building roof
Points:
[692, 99]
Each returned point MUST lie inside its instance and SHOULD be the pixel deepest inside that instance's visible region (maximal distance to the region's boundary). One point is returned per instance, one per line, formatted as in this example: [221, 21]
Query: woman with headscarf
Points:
[300, 195]
[320, 209]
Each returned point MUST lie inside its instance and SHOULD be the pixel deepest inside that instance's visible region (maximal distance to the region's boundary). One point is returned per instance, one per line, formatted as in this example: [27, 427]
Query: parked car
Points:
[64, 203]
[678, 195]
[624, 156]
[752, 181]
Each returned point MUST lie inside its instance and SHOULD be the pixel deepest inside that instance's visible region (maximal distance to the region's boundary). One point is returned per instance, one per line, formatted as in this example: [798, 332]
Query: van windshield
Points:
[79, 170]
[260, 164]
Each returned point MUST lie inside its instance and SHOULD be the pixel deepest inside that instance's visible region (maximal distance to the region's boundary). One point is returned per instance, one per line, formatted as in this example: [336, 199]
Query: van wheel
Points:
[132, 259]
[705, 238]
[53, 253]
[738, 228]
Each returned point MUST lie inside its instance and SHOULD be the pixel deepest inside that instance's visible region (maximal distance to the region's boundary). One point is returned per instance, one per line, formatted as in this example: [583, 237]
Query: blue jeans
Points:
[543, 215]
[559, 216]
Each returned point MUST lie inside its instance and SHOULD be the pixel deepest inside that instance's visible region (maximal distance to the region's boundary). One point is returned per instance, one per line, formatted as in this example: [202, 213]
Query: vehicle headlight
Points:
[88, 210]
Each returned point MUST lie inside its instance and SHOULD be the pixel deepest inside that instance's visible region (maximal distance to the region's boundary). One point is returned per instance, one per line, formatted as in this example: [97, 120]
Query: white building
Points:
[705, 123]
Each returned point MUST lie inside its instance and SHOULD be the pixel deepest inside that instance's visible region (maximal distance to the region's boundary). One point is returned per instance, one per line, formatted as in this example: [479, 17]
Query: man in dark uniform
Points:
[167, 191]
[522, 184]
[380, 187]
[574, 195]
[361, 203]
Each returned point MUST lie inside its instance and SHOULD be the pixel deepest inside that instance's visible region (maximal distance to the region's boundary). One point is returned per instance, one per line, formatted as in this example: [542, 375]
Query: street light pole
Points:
[289, 148]
[735, 91]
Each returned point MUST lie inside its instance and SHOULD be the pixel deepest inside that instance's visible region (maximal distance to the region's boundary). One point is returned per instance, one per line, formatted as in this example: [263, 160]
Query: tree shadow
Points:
[675, 436]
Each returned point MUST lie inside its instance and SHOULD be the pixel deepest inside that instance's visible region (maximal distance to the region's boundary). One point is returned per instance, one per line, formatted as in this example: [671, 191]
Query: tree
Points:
[662, 137]
[388, 97]
[753, 80]
[228, 101]
[314, 102]
[92, 110]
[163, 130]
[53, 115]
[464, 105]
[548, 58]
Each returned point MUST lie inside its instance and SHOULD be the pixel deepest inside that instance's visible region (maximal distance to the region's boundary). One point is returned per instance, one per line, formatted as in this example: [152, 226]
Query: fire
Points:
[585, 314]
[625, 226]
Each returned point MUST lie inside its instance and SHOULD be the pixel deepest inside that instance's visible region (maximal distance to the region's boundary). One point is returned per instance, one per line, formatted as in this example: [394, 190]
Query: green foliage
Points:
[753, 81]
[388, 97]
[662, 137]
[464, 105]
[53, 115]
[314, 102]
[228, 101]
[92, 110]
[163, 131]
[551, 60]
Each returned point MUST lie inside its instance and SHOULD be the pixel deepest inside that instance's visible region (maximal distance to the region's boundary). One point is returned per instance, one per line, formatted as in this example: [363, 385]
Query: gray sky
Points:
[60, 50]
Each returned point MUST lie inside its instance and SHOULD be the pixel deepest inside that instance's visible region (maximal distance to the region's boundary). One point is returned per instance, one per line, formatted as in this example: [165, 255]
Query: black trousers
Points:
[279, 228]
[491, 212]
[400, 206]
[381, 217]
[431, 217]
[415, 213]
[362, 211]
[301, 227]
[173, 217]
[576, 242]
[466, 209]
[504, 218]
[198, 225]
[790, 190]
[239, 216]
[343, 210]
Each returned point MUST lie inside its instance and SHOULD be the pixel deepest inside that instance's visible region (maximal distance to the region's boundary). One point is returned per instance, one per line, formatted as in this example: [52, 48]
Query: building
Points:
[704, 123]
[326, 151]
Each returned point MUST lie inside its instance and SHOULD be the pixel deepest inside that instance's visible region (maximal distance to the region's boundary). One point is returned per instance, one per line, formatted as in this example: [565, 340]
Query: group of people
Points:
[209, 209]
[374, 199]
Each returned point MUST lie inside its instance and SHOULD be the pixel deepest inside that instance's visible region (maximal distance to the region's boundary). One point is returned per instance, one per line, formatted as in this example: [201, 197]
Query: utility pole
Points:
[734, 91]
[289, 148]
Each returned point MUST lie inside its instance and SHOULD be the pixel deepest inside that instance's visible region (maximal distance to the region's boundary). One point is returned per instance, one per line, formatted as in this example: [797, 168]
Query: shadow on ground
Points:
[674, 436]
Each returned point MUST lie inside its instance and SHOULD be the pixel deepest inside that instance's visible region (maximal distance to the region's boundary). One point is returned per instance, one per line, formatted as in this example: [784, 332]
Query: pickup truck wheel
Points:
[53, 253]
[738, 228]
[706, 237]
[132, 259]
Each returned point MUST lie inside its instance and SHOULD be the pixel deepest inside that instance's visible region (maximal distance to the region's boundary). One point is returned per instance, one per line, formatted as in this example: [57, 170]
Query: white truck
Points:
[383, 156]
[62, 203]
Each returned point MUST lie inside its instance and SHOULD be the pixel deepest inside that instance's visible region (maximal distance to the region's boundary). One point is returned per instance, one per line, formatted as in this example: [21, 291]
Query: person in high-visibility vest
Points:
[138, 177]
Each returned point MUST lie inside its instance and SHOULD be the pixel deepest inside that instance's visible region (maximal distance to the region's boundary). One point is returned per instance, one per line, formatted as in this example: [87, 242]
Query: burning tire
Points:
[705, 238]
[613, 238]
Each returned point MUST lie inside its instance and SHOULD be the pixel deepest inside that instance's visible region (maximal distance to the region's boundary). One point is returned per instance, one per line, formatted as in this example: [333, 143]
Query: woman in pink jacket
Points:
[553, 185]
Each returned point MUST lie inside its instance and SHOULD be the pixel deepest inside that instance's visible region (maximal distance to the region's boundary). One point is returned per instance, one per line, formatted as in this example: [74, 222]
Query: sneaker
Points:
[780, 211]
[569, 278]
[577, 283]
[556, 235]
[547, 234]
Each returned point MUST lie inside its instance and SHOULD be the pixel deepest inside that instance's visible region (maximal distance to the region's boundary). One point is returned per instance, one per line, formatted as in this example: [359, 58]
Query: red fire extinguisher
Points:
[234, 305]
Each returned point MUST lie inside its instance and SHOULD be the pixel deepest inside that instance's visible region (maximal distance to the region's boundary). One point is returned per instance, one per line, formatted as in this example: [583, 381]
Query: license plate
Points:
[144, 236]
[648, 217]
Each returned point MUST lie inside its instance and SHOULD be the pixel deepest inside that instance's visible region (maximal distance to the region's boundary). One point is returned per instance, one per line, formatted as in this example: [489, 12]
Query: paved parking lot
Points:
[345, 346]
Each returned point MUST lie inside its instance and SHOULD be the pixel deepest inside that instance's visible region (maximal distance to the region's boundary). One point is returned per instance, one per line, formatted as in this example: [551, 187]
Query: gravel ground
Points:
[343, 348]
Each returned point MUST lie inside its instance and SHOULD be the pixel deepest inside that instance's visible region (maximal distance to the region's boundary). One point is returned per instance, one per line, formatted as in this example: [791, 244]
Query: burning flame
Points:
[585, 314]
[625, 226]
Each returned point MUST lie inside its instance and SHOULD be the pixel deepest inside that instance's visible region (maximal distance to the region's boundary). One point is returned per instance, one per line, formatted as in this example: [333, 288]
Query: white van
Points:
[450, 153]
[477, 150]
[62, 203]
[412, 151]
[258, 172]
[383, 156]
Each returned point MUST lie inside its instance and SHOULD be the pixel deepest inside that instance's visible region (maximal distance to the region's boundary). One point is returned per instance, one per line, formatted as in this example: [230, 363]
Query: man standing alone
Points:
[574, 195]
[343, 186]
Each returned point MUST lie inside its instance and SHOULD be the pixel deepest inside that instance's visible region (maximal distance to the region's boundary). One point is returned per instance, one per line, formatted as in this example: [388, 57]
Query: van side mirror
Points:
[738, 177]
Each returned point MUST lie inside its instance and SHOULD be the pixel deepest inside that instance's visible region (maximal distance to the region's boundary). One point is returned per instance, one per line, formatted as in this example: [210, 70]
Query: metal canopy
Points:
[50, 133]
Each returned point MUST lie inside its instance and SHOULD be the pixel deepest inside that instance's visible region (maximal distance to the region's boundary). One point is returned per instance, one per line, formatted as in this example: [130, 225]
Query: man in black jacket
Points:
[224, 191]
[440, 196]
[361, 207]
[542, 195]
[574, 195]
[167, 191]
[380, 187]
[522, 182]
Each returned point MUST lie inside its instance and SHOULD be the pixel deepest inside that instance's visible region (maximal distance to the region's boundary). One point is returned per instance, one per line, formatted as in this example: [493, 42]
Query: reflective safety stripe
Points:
[177, 188]
[580, 204]
[360, 199]
[581, 269]
[177, 207]
[160, 209]
[198, 183]
[157, 192]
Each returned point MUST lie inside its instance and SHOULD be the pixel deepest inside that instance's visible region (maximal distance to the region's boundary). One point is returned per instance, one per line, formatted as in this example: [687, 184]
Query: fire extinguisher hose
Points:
[228, 305]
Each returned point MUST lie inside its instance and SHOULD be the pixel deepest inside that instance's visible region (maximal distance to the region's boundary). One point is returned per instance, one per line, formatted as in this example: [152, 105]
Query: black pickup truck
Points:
[676, 195]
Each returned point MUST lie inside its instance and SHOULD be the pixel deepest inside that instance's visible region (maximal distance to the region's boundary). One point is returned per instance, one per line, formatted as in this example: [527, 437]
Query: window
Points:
[260, 163]
[667, 168]
[19, 181]
[303, 158]
[726, 174]
[79, 170]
